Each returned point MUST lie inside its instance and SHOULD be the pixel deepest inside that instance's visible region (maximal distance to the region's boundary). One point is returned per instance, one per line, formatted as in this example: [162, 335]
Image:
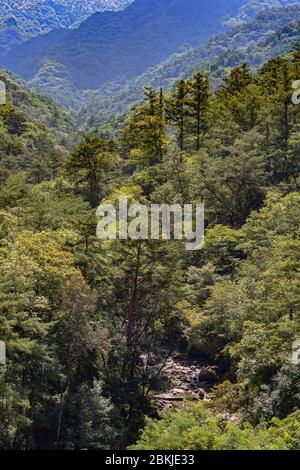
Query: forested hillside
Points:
[253, 7]
[35, 132]
[111, 45]
[90, 325]
[253, 34]
[20, 19]
[272, 32]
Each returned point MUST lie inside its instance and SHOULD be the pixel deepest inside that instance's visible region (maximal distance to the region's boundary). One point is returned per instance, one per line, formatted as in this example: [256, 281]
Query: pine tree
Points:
[144, 135]
[88, 167]
[177, 112]
[197, 102]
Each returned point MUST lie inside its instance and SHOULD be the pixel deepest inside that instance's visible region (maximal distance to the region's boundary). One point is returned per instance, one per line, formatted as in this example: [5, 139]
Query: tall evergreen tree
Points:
[88, 167]
[144, 135]
[177, 112]
[197, 102]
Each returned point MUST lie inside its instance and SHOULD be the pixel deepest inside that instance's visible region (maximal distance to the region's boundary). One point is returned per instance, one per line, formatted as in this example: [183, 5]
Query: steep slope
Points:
[272, 32]
[253, 7]
[112, 45]
[22, 19]
[38, 109]
[34, 132]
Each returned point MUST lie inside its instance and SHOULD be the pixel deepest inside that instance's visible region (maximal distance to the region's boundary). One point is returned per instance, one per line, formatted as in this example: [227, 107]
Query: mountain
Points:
[253, 7]
[40, 110]
[77, 7]
[35, 132]
[24, 19]
[123, 44]
[272, 32]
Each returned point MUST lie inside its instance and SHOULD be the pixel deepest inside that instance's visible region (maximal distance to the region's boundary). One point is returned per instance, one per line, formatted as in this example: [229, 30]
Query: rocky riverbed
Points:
[187, 379]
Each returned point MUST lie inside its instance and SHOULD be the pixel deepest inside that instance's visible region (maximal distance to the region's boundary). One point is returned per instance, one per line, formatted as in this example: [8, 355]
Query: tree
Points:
[233, 186]
[198, 88]
[177, 112]
[144, 135]
[52, 336]
[89, 165]
[196, 428]
[91, 421]
[275, 79]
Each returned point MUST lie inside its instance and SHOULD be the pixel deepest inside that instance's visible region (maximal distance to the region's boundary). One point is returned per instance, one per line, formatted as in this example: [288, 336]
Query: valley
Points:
[137, 342]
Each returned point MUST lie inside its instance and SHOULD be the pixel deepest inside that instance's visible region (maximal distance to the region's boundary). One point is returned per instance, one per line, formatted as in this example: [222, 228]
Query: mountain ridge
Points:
[125, 43]
[222, 52]
[21, 20]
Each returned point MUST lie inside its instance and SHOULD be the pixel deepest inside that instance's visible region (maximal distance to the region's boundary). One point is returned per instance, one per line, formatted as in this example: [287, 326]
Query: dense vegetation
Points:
[87, 323]
[195, 428]
[26, 141]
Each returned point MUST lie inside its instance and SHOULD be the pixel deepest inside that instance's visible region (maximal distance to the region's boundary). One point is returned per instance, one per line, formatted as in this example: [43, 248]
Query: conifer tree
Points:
[197, 102]
[144, 135]
[88, 167]
[177, 112]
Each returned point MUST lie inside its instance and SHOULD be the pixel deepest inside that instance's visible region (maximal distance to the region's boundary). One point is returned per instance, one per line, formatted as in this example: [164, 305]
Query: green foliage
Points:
[272, 32]
[90, 325]
[92, 423]
[89, 165]
[145, 134]
[26, 142]
[194, 428]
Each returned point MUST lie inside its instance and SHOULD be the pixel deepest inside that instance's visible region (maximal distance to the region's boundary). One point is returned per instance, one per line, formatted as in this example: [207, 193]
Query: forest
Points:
[92, 327]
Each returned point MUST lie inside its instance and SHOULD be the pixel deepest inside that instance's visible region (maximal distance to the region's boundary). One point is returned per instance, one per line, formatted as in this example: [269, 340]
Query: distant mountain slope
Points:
[76, 7]
[35, 133]
[23, 19]
[253, 7]
[271, 33]
[111, 45]
[38, 109]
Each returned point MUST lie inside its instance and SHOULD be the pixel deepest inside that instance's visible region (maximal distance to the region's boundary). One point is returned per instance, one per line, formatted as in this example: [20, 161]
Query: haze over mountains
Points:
[23, 19]
[109, 57]
[87, 5]
[272, 32]
[110, 45]
[251, 8]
